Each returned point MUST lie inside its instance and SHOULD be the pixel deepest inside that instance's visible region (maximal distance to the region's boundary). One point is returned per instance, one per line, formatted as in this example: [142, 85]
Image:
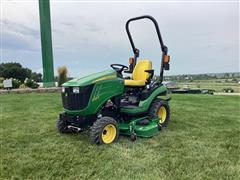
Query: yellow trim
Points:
[162, 114]
[129, 82]
[109, 133]
[105, 78]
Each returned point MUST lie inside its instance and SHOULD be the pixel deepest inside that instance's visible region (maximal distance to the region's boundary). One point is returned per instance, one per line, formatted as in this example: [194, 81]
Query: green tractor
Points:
[108, 104]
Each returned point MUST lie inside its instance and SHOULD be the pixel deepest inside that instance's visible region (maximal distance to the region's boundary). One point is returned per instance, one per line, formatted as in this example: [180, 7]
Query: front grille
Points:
[76, 101]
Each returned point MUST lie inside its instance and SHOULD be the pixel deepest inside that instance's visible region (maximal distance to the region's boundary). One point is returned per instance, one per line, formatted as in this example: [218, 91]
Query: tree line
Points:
[22, 76]
[16, 71]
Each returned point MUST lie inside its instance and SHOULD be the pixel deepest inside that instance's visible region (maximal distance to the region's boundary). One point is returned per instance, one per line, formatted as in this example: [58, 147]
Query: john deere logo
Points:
[95, 98]
[97, 93]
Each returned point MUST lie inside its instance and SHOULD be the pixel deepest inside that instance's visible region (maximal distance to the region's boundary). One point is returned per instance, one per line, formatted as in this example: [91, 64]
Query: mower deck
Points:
[134, 127]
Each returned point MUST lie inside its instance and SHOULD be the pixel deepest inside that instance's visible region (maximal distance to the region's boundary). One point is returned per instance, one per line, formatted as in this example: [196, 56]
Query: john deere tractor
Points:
[109, 104]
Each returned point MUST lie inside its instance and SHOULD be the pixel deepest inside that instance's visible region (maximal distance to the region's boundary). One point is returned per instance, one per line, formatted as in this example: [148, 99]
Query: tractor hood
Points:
[92, 78]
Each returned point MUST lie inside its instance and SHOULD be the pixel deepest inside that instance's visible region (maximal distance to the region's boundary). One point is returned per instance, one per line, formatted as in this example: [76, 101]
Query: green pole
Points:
[46, 42]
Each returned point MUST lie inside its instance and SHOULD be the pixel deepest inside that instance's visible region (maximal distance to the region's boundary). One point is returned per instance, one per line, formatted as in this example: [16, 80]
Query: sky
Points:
[202, 37]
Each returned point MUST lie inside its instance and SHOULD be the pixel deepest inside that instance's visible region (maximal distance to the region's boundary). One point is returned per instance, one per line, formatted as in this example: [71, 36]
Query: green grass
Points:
[201, 142]
[210, 84]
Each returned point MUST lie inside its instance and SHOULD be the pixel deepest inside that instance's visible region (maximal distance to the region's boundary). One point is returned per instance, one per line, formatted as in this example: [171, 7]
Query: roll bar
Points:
[164, 48]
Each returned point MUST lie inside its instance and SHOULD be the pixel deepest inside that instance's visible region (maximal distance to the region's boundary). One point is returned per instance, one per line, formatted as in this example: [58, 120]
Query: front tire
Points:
[160, 109]
[104, 131]
[61, 126]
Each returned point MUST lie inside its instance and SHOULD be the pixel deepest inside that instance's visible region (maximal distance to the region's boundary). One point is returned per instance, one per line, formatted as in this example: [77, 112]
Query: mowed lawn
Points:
[202, 141]
[210, 84]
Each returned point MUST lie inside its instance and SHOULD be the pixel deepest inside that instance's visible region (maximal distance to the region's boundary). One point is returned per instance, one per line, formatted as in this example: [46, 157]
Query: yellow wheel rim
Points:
[109, 133]
[162, 114]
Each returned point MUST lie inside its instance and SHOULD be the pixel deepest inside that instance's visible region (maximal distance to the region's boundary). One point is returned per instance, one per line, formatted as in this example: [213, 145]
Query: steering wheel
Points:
[119, 67]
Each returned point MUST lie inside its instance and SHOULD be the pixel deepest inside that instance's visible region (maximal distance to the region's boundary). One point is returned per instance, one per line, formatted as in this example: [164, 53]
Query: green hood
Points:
[92, 78]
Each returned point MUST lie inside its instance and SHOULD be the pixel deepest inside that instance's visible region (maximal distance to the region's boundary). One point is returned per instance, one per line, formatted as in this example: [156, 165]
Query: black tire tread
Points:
[97, 128]
[61, 126]
[157, 103]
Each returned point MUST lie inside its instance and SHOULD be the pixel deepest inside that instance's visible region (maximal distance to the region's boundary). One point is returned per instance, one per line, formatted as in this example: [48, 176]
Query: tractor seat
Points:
[139, 75]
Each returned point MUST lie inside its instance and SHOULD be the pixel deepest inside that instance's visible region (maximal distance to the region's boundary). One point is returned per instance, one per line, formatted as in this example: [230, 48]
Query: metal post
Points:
[46, 42]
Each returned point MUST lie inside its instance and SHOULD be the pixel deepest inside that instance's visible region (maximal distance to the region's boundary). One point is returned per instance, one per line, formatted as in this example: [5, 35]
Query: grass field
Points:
[217, 85]
[201, 142]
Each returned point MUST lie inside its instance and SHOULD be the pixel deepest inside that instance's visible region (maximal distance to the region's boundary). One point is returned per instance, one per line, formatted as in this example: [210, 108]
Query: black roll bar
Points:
[164, 48]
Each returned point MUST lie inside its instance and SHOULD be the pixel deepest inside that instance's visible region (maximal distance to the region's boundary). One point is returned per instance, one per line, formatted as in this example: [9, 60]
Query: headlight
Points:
[75, 90]
[63, 89]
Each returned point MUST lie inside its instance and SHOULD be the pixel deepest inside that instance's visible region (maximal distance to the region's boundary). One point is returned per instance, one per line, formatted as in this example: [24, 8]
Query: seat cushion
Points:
[130, 82]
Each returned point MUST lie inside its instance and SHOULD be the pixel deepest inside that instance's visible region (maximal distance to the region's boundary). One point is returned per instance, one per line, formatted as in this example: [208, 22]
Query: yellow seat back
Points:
[139, 70]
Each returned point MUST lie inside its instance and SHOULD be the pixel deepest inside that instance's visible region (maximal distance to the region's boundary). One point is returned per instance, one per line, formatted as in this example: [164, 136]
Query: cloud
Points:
[20, 28]
[92, 27]
[67, 24]
[201, 37]
[19, 37]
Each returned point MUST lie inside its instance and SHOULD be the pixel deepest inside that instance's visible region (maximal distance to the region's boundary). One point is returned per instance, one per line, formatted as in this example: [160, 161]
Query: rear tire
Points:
[160, 109]
[104, 131]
